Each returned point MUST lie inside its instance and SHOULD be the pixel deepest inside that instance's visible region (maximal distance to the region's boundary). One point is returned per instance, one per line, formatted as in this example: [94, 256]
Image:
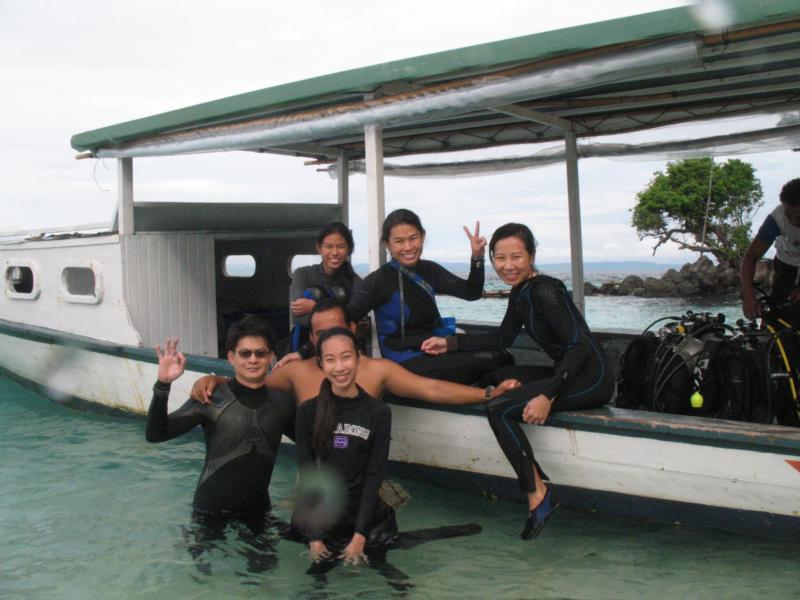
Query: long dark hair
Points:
[401, 216]
[324, 421]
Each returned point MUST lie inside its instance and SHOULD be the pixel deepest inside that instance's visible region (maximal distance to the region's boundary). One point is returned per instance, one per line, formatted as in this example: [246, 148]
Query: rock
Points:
[590, 289]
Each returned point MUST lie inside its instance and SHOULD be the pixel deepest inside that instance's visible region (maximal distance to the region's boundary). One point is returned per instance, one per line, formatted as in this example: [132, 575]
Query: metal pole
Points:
[343, 186]
[376, 203]
[575, 237]
[125, 196]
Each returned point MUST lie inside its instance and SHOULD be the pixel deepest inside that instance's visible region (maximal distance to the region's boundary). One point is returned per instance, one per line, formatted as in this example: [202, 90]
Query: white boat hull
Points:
[678, 471]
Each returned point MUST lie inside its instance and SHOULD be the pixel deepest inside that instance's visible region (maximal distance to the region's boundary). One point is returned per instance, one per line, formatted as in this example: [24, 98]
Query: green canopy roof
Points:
[752, 66]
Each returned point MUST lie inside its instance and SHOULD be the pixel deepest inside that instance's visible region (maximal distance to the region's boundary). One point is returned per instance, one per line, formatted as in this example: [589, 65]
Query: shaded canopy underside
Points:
[605, 78]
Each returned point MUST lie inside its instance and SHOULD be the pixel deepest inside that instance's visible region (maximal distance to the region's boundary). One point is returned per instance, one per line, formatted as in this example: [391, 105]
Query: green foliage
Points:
[673, 206]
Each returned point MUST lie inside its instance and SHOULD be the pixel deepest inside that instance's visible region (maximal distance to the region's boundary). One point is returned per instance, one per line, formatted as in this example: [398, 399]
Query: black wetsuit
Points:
[406, 315]
[581, 376]
[243, 429]
[358, 457]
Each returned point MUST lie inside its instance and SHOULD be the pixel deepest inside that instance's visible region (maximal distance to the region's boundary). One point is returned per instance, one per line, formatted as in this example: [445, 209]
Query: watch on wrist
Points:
[487, 393]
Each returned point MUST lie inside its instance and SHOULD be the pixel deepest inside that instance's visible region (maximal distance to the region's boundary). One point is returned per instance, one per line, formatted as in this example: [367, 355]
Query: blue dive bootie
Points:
[537, 518]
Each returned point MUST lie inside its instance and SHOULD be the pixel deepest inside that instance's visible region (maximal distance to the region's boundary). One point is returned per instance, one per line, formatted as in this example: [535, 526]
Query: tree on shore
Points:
[675, 207]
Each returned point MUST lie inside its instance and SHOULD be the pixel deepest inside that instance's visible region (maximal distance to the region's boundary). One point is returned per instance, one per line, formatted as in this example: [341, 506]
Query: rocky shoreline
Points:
[697, 279]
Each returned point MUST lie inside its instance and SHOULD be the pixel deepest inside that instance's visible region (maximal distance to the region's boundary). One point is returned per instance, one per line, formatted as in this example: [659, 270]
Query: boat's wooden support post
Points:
[575, 236]
[376, 205]
[343, 186]
[125, 201]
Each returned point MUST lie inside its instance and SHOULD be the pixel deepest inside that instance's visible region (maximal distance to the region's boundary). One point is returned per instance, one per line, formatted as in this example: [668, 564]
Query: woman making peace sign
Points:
[403, 294]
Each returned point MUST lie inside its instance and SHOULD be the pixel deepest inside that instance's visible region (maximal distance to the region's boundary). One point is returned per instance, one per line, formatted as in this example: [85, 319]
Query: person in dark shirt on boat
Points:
[581, 376]
[402, 294]
[782, 228]
[332, 277]
[302, 378]
[344, 432]
[243, 423]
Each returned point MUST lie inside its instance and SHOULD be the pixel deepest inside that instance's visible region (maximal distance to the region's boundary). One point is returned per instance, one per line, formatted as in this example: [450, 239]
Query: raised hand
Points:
[476, 241]
[171, 363]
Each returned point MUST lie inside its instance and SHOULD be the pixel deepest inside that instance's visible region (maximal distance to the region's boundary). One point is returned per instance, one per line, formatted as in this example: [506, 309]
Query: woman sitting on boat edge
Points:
[403, 295]
[581, 376]
[332, 277]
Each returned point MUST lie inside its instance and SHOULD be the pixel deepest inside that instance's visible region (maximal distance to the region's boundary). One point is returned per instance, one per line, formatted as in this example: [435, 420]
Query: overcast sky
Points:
[68, 67]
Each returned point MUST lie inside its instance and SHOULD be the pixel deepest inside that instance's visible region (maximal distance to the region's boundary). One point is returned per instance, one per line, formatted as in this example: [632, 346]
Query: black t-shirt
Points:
[358, 454]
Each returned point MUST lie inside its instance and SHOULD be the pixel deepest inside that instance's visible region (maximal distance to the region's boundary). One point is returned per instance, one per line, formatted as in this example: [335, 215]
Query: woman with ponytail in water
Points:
[344, 432]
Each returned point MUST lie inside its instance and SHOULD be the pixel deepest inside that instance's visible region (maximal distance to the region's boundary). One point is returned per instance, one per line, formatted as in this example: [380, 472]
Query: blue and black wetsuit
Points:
[581, 376]
[406, 315]
[243, 429]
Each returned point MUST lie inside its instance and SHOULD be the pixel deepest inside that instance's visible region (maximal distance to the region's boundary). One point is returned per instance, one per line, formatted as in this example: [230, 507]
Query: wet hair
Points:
[249, 326]
[401, 216]
[517, 230]
[790, 192]
[325, 305]
[324, 420]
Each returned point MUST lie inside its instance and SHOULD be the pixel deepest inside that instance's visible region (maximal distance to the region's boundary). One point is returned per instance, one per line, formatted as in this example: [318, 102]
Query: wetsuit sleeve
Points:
[299, 285]
[495, 340]
[364, 298]
[304, 426]
[376, 470]
[769, 230]
[161, 426]
[554, 307]
[444, 282]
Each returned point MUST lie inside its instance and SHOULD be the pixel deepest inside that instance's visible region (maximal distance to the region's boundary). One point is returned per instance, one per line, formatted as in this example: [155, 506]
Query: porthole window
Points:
[302, 260]
[21, 279]
[239, 265]
[82, 282]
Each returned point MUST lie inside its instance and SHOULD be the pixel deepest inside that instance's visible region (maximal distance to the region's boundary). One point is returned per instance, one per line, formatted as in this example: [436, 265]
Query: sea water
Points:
[90, 510]
[602, 312]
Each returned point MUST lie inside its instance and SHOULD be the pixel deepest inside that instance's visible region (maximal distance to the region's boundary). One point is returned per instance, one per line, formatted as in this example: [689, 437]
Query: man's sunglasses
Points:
[248, 353]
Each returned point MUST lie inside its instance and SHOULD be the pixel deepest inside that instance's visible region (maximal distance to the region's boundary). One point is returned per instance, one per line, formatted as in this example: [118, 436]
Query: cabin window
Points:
[82, 282]
[302, 260]
[239, 265]
[21, 280]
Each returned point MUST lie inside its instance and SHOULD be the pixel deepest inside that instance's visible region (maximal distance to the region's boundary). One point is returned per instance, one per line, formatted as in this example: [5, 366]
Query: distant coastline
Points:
[622, 266]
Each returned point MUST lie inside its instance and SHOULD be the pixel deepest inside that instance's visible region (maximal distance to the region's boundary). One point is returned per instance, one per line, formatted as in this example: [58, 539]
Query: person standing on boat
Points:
[243, 423]
[581, 376]
[403, 296]
[345, 432]
[332, 277]
[782, 228]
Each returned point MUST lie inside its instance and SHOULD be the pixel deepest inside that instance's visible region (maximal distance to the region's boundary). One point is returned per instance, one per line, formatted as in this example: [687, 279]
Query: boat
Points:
[82, 308]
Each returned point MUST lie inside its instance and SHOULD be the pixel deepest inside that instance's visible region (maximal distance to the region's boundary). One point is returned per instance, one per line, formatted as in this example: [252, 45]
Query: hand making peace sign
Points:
[476, 241]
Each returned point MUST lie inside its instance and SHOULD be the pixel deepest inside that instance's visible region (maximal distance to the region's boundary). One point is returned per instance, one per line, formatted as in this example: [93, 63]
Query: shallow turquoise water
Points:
[90, 510]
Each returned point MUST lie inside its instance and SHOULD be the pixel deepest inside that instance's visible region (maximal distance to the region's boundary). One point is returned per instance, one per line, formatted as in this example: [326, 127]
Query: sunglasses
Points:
[248, 353]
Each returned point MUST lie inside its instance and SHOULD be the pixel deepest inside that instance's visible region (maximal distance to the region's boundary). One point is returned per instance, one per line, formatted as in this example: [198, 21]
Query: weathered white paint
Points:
[645, 467]
[170, 288]
[106, 320]
[125, 193]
